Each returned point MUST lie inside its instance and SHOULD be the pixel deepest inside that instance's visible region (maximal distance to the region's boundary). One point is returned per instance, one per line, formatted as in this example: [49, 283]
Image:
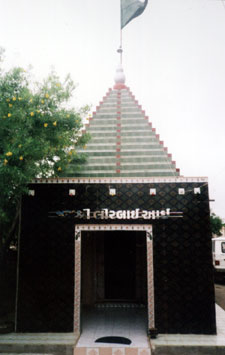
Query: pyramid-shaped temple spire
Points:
[123, 142]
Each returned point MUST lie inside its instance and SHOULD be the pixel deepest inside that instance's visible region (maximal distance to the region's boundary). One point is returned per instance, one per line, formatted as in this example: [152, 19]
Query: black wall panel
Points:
[183, 275]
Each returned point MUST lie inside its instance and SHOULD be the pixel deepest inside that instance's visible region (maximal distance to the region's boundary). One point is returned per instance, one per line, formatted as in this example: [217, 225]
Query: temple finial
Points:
[119, 78]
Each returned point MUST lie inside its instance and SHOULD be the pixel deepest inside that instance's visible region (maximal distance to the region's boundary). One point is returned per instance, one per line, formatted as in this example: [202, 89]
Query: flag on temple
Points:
[131, 9]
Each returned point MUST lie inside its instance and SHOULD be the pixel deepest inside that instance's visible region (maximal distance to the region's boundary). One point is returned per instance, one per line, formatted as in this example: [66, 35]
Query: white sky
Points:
[174, 62]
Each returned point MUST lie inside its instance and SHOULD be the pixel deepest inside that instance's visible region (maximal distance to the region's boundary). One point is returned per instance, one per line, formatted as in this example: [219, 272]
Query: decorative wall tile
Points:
[118, 351]
[105, 351]
[92, 351]
[197, 190]
[144, 351]
[131, 351]
[80, 351]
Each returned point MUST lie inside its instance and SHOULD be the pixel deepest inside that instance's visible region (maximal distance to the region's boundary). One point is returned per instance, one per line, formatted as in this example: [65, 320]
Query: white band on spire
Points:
[119, 76]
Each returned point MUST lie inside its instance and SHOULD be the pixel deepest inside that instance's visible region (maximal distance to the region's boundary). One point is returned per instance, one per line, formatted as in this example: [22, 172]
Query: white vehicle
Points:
[218, 250]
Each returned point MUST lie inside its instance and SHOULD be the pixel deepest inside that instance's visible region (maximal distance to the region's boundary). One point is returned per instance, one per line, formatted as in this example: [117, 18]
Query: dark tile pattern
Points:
[183, 275]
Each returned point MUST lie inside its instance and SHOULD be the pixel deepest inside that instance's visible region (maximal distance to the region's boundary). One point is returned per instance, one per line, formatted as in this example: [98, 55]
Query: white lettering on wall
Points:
[105, 213]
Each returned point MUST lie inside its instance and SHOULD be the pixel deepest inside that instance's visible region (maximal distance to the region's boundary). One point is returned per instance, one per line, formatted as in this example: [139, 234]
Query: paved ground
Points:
[220, 294]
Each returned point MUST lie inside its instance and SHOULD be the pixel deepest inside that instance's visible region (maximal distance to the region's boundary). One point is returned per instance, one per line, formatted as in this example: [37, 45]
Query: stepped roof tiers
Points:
[123, 142]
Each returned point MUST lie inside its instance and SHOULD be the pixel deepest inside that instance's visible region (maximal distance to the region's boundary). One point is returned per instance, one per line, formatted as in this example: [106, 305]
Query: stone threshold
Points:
[112, 350]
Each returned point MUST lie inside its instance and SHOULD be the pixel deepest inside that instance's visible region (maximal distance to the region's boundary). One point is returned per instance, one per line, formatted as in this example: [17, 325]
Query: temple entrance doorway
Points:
[114, 268]
[114, 289]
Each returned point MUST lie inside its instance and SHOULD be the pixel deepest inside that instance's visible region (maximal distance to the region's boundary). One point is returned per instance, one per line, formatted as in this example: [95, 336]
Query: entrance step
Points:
[36, 350]
[38, 343]
[111, 350]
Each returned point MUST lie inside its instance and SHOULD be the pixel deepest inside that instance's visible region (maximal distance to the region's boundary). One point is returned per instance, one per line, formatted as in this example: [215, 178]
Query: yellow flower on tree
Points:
[14, 98]
[45, 125]
[59, 168]
[8, 100]
[21, 157]
[20, 98]
[42, 101]
[54, 123]
[58, 85]
[68, 116]
[9, 114]
[20, 145]
[9, 154]
[10, 105]
[47, 96]
[32, 114]
[5, 161]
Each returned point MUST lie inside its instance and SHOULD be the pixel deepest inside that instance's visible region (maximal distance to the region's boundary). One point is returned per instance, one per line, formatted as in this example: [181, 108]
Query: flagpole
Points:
[120, 50]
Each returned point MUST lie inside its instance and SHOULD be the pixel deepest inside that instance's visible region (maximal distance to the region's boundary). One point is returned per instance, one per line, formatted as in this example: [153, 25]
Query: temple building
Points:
[125, 235]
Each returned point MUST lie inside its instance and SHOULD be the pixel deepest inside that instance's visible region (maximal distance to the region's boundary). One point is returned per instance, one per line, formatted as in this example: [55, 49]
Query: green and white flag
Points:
[131, 9]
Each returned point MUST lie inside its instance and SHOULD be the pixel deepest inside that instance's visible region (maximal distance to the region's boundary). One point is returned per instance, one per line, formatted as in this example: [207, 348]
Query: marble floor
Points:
[130, 323]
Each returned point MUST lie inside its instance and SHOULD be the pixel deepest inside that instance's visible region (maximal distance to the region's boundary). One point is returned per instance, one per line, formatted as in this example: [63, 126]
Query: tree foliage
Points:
[216, 224]
[38, 136]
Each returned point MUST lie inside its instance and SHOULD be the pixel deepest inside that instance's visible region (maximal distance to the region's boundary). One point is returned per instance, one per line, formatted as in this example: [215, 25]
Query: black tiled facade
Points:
[183, 274]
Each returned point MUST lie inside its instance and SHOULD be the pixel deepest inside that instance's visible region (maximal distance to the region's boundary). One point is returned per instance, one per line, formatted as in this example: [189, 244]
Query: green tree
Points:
[216, 224]
[38, 138]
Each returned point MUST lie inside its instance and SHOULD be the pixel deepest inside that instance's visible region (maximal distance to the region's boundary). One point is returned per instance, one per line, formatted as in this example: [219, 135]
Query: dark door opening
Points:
[120, 265]
[114, 282]
[114, 267]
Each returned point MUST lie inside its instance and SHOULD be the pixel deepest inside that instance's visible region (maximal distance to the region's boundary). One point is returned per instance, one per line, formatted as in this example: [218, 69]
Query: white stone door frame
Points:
[79, 228]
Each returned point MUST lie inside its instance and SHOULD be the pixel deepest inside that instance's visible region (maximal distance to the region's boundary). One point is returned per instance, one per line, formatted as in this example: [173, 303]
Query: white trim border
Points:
[120, 180]
[79, 228]
[113, 227]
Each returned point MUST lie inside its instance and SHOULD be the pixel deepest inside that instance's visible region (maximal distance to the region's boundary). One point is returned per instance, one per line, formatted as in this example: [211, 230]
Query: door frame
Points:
[79, 228]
